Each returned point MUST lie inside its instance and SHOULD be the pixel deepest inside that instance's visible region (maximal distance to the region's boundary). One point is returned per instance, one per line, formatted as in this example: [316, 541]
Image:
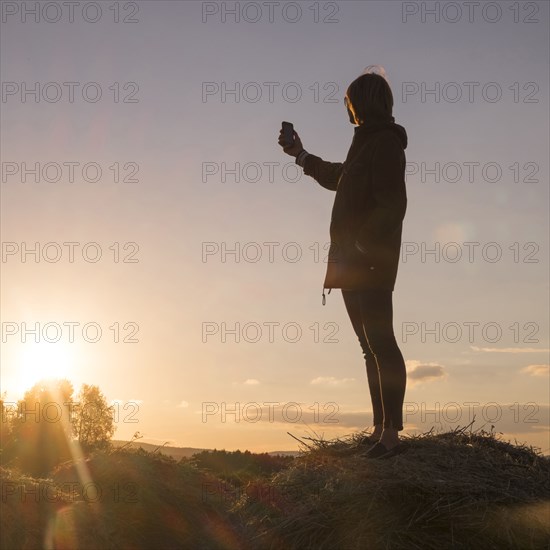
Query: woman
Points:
[365, 233]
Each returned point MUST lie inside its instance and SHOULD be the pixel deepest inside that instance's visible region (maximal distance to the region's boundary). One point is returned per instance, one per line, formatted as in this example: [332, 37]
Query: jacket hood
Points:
[376, 126]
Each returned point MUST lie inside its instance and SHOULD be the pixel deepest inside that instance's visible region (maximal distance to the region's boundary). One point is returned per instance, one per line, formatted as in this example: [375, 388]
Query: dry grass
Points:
[137, 500]
[459, 490]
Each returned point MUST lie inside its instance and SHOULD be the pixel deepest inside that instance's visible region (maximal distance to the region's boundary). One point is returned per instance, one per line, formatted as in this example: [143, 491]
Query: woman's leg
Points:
[353, 306]
[376, 309]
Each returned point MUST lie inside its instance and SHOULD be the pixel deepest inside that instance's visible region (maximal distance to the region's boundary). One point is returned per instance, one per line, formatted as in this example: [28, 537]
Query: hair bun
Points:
[376, 69]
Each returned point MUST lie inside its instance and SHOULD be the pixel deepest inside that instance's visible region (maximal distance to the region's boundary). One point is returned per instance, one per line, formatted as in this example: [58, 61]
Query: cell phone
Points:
[288, 133]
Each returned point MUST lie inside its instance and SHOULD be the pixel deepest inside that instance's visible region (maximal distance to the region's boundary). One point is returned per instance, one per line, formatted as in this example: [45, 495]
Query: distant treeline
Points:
[238, 465]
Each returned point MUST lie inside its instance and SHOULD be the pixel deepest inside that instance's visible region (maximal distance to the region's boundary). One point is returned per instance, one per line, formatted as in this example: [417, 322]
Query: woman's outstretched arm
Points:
[324, 172]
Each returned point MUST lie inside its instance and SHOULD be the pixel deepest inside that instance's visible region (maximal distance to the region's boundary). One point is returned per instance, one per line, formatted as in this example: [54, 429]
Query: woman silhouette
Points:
[365, 233]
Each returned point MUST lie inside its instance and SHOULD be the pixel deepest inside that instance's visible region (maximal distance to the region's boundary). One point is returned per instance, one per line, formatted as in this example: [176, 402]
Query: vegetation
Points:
[460, 489]
[239, 467]
[39, 432]
[93, 425]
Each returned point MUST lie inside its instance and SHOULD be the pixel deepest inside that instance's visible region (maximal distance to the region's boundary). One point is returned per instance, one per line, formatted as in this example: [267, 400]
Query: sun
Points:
[43, 360]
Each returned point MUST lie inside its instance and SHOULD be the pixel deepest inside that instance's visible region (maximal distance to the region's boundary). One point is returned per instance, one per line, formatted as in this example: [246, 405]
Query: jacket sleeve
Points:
[389, 192]
[325, 173]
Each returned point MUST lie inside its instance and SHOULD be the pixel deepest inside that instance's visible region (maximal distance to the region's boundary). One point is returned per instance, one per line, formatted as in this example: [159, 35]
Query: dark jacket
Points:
[369, 207]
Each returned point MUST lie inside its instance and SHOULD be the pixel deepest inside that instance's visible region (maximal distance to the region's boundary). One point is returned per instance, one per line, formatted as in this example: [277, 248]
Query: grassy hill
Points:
[458, 489]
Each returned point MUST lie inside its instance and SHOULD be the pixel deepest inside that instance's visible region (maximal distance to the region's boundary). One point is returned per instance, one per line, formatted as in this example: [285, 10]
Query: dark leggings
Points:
[371, 314]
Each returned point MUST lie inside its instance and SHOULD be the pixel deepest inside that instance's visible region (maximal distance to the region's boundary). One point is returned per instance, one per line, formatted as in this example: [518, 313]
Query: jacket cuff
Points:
[300, 158]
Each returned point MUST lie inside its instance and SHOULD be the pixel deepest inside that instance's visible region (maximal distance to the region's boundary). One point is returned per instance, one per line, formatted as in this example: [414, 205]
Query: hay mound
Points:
[458, 489]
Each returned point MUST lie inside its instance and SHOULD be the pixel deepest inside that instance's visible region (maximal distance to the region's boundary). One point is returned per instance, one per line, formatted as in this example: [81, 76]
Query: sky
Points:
[157, 242]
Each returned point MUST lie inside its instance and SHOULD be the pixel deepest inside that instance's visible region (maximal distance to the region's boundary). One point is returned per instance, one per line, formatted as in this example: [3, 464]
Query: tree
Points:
[93, 421]
[6, 431]
[41, 428]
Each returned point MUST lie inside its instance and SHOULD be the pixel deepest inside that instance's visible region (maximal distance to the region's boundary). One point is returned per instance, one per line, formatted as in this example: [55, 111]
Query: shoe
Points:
[379, 450]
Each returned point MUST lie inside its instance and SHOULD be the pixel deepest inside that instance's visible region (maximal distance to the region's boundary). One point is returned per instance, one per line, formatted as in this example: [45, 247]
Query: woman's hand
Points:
[293, 149]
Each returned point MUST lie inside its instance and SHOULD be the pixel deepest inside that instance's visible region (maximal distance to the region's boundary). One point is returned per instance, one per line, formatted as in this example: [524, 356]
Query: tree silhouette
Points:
[93, 422]
[38, 434]
[41, 426]
[7, 451]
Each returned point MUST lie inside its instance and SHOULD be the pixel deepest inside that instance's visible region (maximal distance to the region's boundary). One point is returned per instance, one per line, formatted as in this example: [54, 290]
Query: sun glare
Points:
[38, 361]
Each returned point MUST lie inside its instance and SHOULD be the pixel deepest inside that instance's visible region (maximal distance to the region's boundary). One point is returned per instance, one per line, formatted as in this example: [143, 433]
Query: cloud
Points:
[248, 382]
[530, 418]
[527, 418]
[537, 370]
[418, 372]
[183, 405]
[330, 381]
[511, 350]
